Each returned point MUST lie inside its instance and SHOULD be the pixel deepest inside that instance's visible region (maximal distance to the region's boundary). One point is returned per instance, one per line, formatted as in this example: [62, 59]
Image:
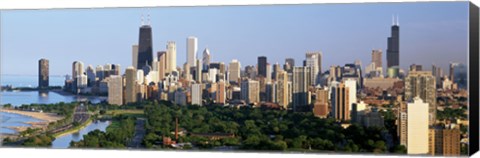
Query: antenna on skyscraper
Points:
[142, 20]
[148, 19]
[398, 23]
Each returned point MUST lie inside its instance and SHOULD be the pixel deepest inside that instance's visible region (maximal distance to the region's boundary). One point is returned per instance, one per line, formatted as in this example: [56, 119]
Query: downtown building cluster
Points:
[348, 93]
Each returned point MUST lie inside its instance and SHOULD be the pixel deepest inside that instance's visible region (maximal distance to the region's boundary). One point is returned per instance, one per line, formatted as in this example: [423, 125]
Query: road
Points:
[140, 132]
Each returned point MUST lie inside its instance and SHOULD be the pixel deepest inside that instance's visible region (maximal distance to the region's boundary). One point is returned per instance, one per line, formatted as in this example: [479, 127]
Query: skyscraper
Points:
[91, 76]
[377, 58]
[262, 66]
[43, 73]
[130, 85]
[282, 89]
[171, 57]
[162, 64]
[115, 90]
[206, 59]
[451, 142]
[320, 108]
[191, 50]
[301, 82]
[393, 47]
[250, 90]
[341, 102]
[352, 91]
[234, 71]
[318, 56]
[289, 65]
[99, 72]
[422, 84]
[221, 94]
[197, 94]
[417, 127]
[313, 61]
[135, 56]
[145, 50]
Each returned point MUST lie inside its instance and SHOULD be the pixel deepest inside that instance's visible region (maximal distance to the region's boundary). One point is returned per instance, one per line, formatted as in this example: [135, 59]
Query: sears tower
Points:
[393, 48]
[145, 55]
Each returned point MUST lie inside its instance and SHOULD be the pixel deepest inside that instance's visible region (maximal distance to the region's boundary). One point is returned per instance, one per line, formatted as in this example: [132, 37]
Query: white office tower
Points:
[140, 77]
[352, 91]
[206, 59]
[115, 90]
[417, 127]
[234, 71]
[131, 82]
[312, 62]
[192, 50]
[212, 75]
[135, 56]
[197, 94]
[171, 57]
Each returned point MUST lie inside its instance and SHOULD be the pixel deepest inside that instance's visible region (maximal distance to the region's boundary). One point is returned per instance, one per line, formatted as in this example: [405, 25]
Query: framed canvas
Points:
[357, 79]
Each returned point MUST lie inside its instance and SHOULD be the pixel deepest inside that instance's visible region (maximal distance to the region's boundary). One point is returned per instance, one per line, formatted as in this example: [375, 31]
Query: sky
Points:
[430, 33]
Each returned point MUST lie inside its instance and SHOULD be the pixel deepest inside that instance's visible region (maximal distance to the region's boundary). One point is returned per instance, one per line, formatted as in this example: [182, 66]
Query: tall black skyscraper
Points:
[145, 50]
[393, 48]
[262, 66]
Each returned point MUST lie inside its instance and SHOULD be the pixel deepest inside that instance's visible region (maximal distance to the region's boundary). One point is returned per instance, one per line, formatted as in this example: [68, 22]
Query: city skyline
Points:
[333, 54]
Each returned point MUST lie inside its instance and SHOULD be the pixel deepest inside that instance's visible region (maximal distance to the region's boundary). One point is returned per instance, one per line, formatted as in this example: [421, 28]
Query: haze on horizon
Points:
[430, 33]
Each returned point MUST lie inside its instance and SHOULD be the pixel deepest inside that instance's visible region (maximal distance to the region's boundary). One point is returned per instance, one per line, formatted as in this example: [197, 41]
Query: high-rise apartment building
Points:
[135, 56]
[422, 84]
[162, 64]
[282, 89]
[262, 66]
[130, 85]
[234, 69]
[320, 108]
[43, 73]
[341, 102]
[417, 127]
[115, 90]
[250, 90]
[301, 82]
[197, 94]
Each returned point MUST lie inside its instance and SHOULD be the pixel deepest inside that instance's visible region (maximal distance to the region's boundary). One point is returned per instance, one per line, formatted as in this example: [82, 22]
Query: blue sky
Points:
[430, 32]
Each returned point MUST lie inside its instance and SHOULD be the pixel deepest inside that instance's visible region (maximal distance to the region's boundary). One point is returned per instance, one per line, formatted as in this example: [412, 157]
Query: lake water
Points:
[18, 98]
[64, 141]
[29, 80]
[14, 120]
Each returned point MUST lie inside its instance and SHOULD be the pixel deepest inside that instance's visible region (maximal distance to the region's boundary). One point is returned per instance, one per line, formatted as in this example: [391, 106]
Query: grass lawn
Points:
[117, 112]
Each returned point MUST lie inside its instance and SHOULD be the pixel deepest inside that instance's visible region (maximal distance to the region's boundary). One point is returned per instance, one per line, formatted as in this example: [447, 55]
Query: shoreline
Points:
[44, 117]
[74, 130]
